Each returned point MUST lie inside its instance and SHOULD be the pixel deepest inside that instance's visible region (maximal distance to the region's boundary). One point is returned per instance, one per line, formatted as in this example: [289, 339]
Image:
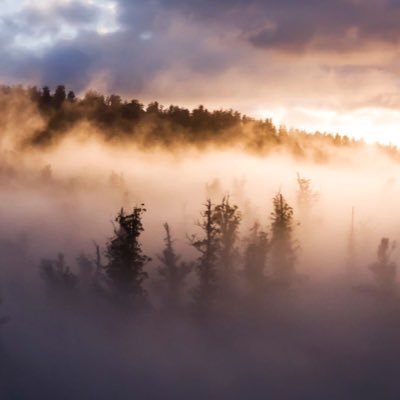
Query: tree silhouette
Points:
[114, 101]
[71, 97]
[227, 219]
[305, 196]
[208, 248]
[126, 260]
[58, 276]
[384, 270]
[132, 111]
[154, 108]
[59, 96]
[45, 99]
[97, 260]
[117, 119]
[172, 271]
[283, 255]
[255, 258]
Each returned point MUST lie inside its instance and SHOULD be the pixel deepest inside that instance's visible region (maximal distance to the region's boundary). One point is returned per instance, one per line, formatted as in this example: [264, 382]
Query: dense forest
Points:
[119, 120]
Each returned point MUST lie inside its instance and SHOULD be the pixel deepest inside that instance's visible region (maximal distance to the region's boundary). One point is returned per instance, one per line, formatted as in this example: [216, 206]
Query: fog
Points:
[332, 334]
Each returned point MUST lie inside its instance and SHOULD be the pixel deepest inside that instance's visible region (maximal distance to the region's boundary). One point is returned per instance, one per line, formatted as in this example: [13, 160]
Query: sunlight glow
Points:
[370, 123]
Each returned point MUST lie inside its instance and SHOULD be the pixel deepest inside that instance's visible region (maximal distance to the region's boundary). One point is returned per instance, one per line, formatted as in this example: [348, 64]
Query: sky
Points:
[329, 65]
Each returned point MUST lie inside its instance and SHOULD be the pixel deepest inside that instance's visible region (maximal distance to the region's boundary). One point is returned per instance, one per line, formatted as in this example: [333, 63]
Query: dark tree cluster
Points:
[220, 269]
[225, 268]
[126, 260]
[120, 119]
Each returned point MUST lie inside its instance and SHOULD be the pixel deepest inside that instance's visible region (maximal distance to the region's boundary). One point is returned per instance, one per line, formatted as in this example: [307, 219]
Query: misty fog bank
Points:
[331, 332]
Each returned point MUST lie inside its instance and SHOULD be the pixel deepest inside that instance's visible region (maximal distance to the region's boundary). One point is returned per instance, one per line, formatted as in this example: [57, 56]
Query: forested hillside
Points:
[154, 125]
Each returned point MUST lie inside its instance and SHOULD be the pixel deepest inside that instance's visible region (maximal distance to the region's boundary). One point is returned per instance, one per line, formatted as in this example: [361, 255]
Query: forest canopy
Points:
[119, 120]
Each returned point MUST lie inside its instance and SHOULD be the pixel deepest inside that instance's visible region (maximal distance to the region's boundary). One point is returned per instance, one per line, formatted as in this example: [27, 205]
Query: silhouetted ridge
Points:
[120, 120]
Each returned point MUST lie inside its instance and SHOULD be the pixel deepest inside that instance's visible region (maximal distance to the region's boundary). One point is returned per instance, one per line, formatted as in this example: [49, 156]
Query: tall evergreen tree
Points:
[126, 260]
[173, 271]
[71, 97]
[305, 197]
[384, 270]
[59, 96]
[46, 97]
[283, 255]
[227, 219]
[208, 248]
[255, 257]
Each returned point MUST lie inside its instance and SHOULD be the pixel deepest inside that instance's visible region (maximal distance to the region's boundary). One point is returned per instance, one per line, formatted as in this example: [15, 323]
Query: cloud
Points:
[340, 26]
[44, 24]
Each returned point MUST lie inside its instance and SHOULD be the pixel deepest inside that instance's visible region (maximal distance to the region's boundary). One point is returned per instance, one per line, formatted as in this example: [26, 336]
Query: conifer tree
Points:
[384, 270]
[227, 219]
[71, 97]
[255, 257]
[59, 96]
[58, 276]
[126, 260]
[208, 248]
[283, 255]
[305, 197]
[46, 97]
[173, 271]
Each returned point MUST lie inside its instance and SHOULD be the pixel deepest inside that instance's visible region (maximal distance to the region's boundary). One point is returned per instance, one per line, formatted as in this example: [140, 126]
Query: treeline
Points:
[219, 275]
[224, 271]
[155, 125]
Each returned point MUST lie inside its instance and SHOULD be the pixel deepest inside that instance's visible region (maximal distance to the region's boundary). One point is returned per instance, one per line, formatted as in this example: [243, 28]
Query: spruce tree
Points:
[384, 270]
[227, 219]
[173, 271]
[255, 257]
[283, 255]
[208, 248]
[306, 196]
[126, 260]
